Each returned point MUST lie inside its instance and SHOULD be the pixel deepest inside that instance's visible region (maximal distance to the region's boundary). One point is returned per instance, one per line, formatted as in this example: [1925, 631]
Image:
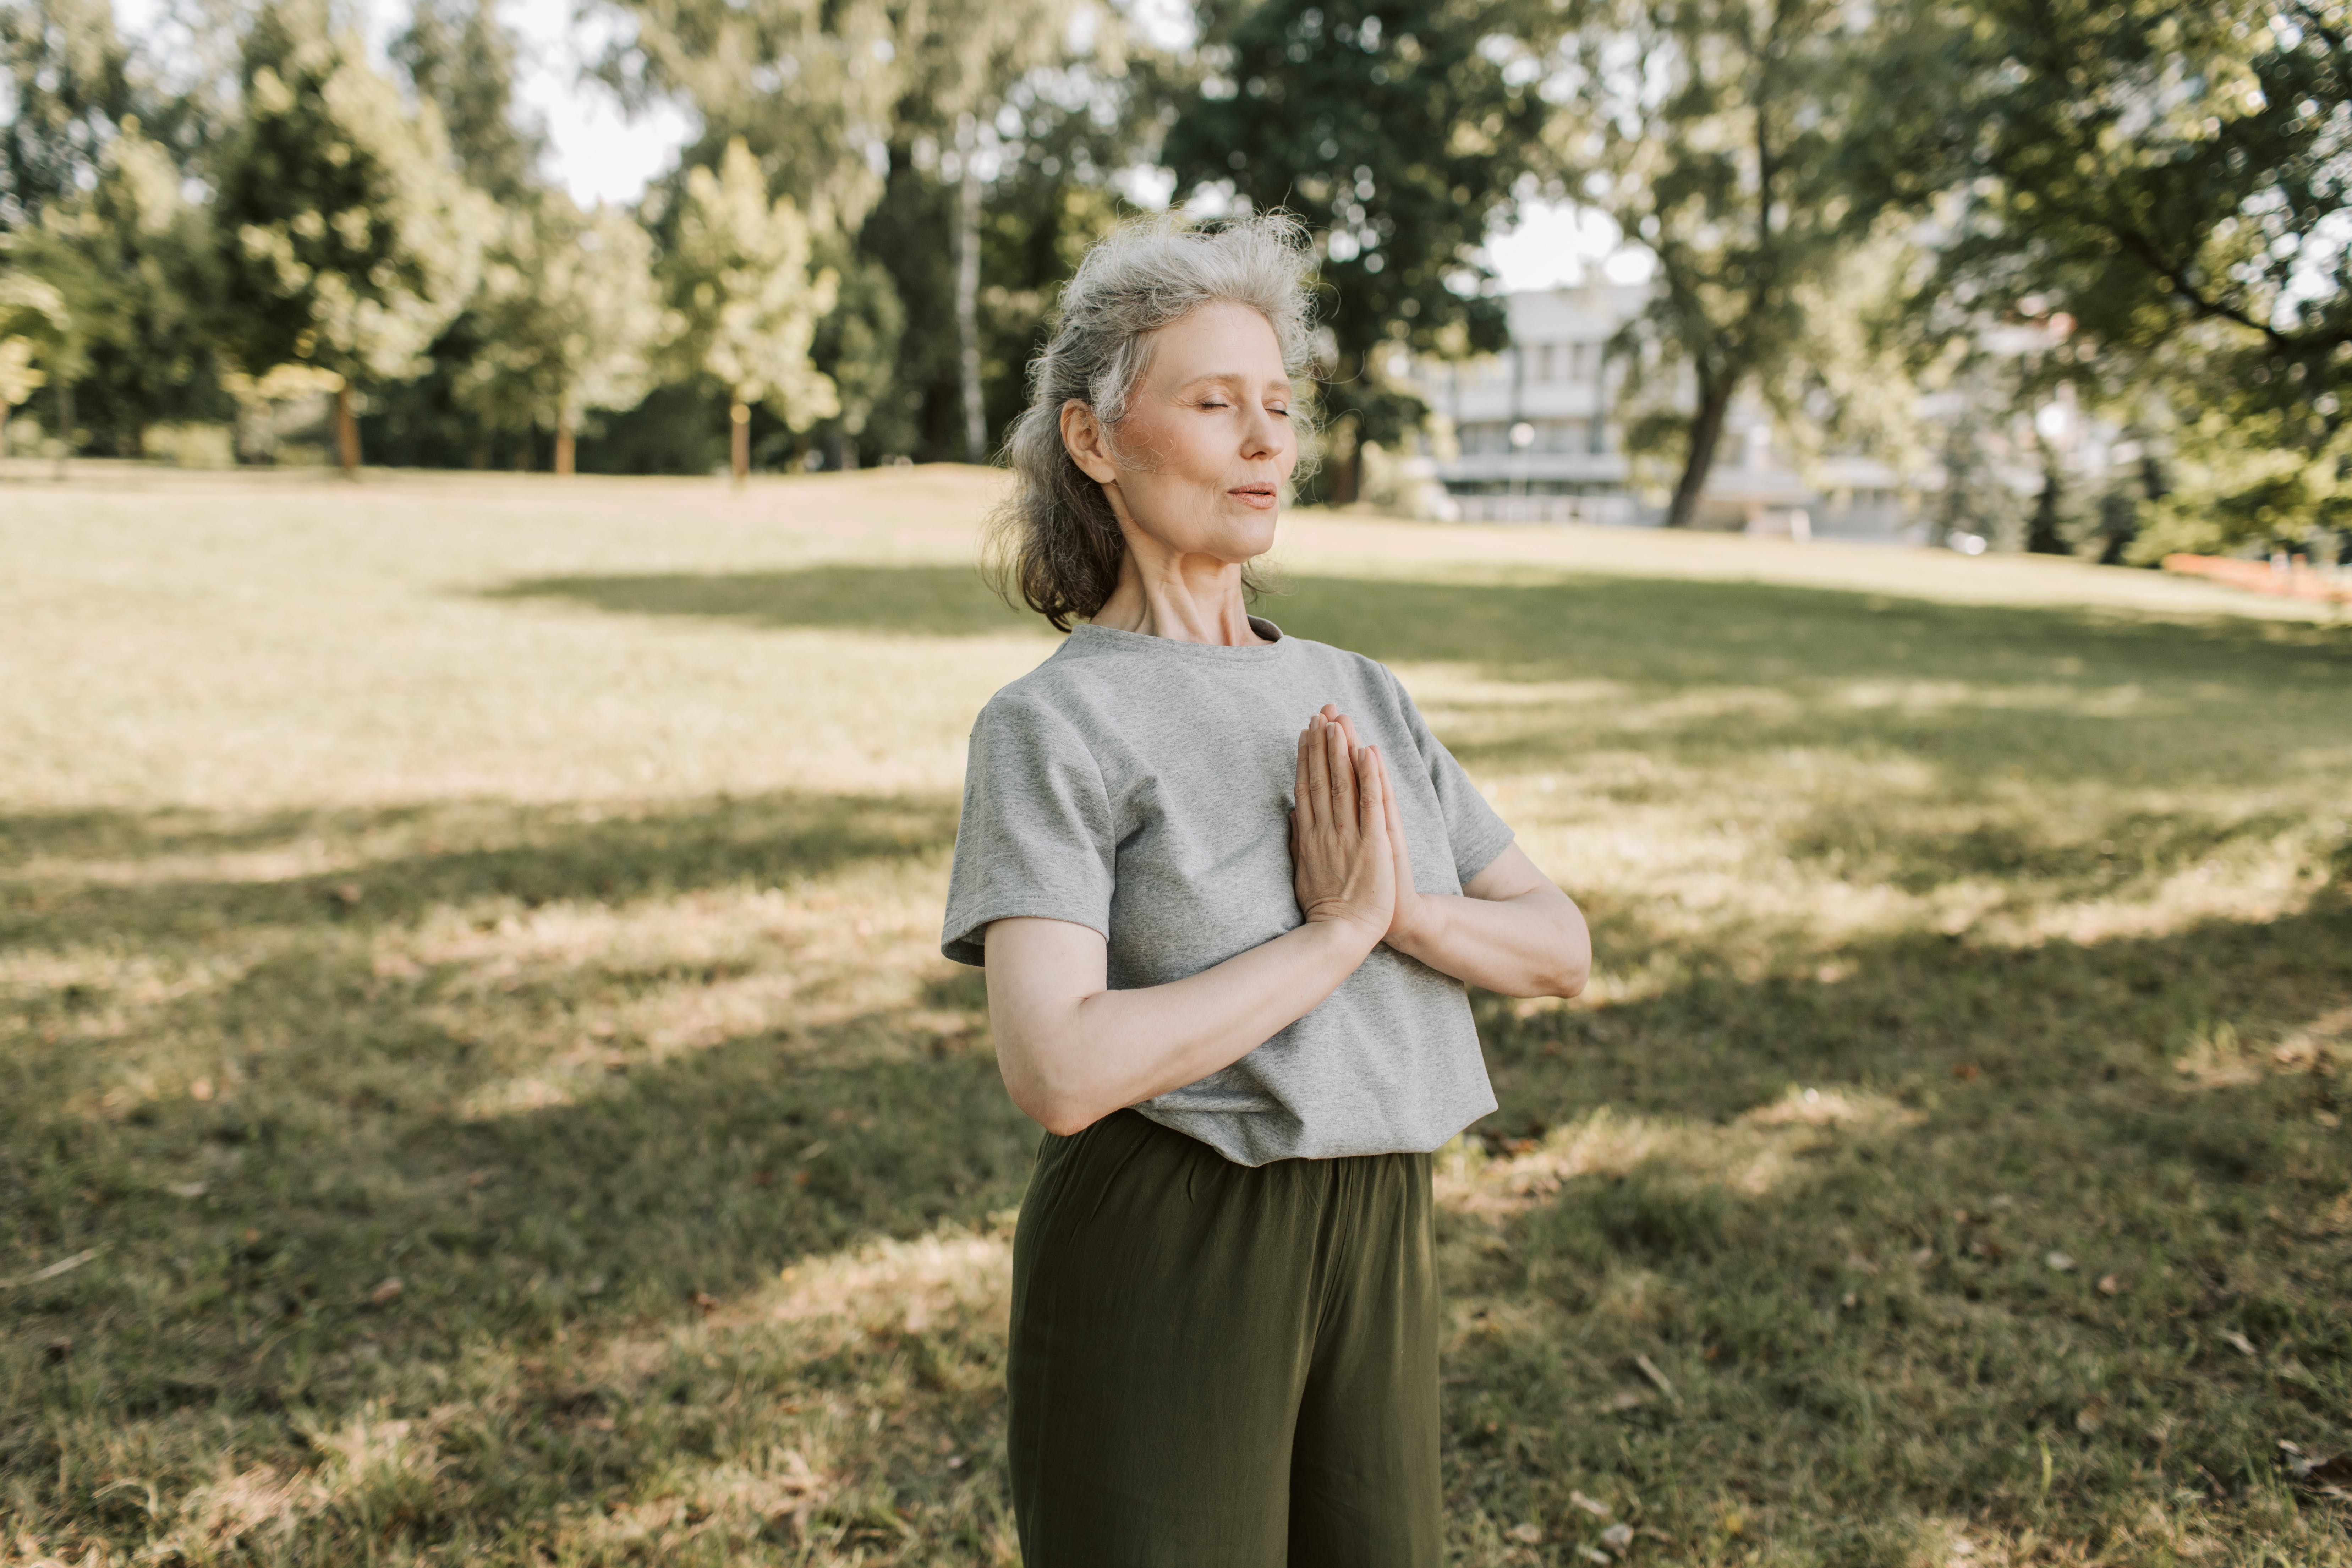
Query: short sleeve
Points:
[1476, 833]
[1036, 836]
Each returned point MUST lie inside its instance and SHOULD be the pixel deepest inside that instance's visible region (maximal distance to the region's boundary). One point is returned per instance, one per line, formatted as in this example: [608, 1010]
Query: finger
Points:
[1317, 797]
[1348, 726]
[1396, 828]
[1303, 789]
[1342, 768]
[1371, 797]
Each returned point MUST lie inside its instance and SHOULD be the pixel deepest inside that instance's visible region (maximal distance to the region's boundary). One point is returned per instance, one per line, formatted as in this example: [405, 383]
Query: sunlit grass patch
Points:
[478, 1082]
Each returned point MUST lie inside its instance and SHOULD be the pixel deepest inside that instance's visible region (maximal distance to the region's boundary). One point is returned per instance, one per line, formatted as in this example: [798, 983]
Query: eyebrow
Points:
[1228, 378]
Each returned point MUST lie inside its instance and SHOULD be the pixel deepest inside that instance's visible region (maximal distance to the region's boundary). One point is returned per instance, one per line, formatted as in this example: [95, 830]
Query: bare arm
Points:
[1511, 931]
[1073, 1050]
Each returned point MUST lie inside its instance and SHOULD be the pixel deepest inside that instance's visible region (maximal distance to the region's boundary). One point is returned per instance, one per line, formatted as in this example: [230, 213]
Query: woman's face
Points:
[1201, 461]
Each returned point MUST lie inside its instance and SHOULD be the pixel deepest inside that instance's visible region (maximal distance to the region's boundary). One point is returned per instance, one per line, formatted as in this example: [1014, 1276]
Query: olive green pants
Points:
[1216, 1366]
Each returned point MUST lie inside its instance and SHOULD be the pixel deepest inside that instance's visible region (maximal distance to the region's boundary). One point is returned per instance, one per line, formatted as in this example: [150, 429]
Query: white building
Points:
[1536, 440]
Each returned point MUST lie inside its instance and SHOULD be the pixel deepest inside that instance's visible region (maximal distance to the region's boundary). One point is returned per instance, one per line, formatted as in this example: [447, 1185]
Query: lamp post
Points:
[1522, 437]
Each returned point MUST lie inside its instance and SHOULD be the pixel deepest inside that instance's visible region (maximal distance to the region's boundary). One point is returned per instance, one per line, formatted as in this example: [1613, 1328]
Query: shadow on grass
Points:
[389, 867]
[1830, 1382]
[2064, 693]
[913, 601]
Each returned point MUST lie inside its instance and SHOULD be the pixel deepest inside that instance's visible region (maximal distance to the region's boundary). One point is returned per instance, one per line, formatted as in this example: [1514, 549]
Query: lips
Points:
[1253, 495]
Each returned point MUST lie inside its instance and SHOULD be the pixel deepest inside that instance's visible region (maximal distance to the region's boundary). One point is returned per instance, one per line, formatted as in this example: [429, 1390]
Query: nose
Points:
[1263, 435]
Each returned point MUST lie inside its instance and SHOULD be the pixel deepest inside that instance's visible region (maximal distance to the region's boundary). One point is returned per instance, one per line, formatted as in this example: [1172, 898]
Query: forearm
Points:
[1532, 944]
[1070, 1063]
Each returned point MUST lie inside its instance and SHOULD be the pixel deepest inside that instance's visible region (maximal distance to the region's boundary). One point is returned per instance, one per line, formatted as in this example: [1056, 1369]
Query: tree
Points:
[747, 305]
[568, 315]
[2169, 179]
[135, 257]
[68, 85]
[33, 318]
[1401, 129]
[348, 240]
[913, 90]
[460, 58]
[1709, 130]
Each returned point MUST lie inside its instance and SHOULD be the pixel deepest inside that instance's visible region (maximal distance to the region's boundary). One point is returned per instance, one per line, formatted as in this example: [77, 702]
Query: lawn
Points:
[478, 1083]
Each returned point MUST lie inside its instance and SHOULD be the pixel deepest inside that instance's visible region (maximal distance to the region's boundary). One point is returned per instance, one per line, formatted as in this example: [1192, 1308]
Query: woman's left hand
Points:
[1409, 902]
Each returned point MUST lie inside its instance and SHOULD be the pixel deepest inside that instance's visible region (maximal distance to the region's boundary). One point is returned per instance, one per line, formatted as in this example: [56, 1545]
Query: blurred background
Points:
[2063, 279]
[478, 1080]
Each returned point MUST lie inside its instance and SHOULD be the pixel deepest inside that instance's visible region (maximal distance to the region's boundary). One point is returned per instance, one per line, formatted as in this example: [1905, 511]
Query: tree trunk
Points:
[738, 415]
[967, 296]
[2042, 535]
[563, 444]
[1706, 432]
[64, 425]
[347, 432]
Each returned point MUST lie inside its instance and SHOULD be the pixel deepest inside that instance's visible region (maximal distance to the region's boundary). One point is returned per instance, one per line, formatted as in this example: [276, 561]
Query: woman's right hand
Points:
[1342, 865]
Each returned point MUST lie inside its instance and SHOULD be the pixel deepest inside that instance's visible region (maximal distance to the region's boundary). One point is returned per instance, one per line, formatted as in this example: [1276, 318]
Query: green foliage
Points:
[740, 280]
[1401, 131]
[1708, 130]
[567, 316]
[460, 58]
[70, 82]
[348, 240]
[138, 260]
[2167, 179]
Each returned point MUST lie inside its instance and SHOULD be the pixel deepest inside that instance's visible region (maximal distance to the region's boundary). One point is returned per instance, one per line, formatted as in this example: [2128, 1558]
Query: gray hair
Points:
[1056, 542]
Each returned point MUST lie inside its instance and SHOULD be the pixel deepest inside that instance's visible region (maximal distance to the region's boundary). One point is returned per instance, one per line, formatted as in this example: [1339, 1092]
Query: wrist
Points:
[1346, 931]
[1414, 924]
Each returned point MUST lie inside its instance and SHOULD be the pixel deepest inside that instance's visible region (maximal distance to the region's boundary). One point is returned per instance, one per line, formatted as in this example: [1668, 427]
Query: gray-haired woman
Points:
[1228, 889]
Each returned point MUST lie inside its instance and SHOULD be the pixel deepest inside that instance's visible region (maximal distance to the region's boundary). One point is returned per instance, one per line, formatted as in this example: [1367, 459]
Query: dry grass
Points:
[477, 1080]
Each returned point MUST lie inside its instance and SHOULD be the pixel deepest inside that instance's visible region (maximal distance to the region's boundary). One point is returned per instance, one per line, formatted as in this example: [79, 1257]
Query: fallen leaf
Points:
[201, 1090]
[2062, 1262]
[1593, 1506]
[1594, 1554]
[185, 1189]
[1628, 1399]
[389, 1290]
[1527, 1535]
[1966, 1072]
[1617, 1537]
[2238, 1342]
[2110, 1286]
[707, 1301]
[2091, 1417]
[955, 1461]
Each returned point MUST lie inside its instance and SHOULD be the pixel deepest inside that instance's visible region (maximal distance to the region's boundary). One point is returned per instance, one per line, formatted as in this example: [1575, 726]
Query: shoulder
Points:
[1347, 664]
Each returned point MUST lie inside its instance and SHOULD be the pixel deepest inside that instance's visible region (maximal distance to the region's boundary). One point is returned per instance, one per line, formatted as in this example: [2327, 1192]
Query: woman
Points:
[1227, 888]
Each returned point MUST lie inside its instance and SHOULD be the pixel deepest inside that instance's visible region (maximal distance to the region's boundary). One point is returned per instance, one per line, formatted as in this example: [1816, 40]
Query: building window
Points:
[1544, 362]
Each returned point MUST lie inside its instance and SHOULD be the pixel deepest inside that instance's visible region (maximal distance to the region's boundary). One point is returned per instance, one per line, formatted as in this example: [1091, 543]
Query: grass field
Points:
[478, 1082]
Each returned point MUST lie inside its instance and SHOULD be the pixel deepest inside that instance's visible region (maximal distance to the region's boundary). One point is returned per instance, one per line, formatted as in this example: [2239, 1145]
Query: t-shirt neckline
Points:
[1110, 637]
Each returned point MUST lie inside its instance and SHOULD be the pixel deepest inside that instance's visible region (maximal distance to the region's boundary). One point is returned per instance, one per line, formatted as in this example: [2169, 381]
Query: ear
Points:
[1083, 437]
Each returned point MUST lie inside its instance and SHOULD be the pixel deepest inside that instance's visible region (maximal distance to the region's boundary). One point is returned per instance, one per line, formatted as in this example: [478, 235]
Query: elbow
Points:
[1058, 1114]
[1052, 1105]
[1573, 969]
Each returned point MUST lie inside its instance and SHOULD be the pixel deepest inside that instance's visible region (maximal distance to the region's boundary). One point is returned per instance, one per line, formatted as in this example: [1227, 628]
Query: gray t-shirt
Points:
[1142, 787]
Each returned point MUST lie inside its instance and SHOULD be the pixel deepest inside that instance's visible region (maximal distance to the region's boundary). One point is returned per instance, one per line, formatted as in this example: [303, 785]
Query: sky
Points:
[598, 153]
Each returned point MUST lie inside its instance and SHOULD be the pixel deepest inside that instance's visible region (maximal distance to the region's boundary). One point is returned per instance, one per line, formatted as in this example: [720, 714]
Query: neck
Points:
[1186, 598]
